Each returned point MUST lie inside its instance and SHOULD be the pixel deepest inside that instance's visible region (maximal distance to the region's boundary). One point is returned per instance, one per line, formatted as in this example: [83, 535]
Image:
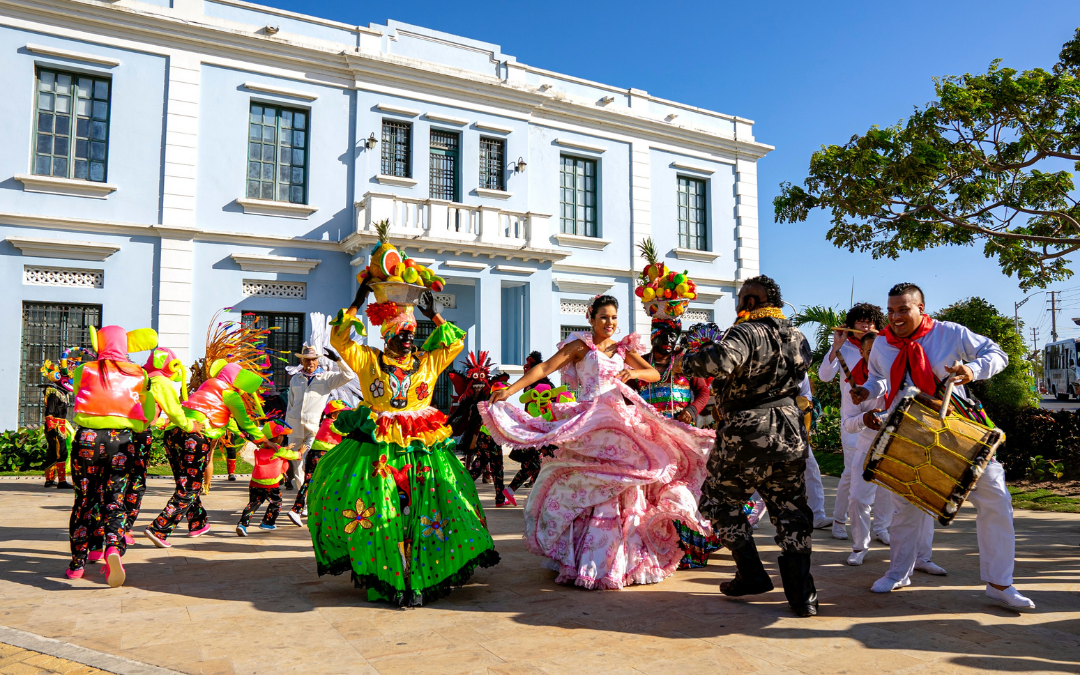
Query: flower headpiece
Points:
[589, 309]
[661, 324]
[391, 317]
[665, 292]
[61, 372]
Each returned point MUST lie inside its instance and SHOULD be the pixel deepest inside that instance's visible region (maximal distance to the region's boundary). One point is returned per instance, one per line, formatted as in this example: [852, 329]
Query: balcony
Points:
[449, 227]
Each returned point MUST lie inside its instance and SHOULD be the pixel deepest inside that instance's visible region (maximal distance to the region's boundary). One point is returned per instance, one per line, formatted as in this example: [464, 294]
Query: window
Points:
[283, 342]
[441, 398]
[564, 331]
[444, 165]
[578, 200]
[47, 330]
[692, 216]
[72, 137]
[515, 324]
[492, 154]
[396, 149]
[277, 154]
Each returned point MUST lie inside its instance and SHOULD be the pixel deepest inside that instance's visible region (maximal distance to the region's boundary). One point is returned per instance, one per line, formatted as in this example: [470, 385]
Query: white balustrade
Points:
[442, 219]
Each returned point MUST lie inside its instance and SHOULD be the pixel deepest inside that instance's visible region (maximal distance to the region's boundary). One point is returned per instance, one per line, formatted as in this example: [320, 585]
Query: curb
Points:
[89, 657]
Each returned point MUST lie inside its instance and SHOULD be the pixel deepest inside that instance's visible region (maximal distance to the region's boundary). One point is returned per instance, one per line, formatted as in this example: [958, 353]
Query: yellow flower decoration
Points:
[358, 518]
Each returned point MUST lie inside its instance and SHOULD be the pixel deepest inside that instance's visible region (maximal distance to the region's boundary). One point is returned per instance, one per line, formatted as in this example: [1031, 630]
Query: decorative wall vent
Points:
[257, 288]
[573, 307]
[692, 316]
[62, 276]
[447, 300]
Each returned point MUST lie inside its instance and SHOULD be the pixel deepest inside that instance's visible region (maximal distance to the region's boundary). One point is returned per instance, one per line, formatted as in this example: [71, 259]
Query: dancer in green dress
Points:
[391, 502]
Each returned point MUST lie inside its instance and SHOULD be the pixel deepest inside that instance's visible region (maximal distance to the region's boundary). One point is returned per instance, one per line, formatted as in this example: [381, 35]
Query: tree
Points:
[982, 163]
[1012, 387]
[826, 318]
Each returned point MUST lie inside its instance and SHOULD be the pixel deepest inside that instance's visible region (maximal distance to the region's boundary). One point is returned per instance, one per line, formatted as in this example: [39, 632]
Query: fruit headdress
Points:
[665, 292]
[388, 265]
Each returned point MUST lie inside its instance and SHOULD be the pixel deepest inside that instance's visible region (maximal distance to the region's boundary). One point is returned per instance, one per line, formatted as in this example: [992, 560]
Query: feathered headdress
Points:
[478, 363]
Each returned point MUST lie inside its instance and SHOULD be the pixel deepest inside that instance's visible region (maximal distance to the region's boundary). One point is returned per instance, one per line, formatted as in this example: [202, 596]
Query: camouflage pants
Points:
[781, 486]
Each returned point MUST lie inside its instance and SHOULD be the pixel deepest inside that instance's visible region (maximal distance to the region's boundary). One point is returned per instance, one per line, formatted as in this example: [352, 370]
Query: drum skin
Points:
[933, 464]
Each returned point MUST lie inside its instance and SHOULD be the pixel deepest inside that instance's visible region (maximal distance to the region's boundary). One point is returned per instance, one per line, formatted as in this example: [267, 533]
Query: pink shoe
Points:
[199, 532]
[509, 496]
[159, 540]
[128, 539]
[74, 574]
[114, 568]
[96, 556]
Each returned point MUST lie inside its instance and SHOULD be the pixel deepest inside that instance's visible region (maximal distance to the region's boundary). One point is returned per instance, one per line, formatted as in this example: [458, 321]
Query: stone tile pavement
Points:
[220, 604]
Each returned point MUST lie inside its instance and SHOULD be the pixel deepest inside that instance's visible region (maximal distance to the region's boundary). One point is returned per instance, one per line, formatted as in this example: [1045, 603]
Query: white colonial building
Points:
[166, 159]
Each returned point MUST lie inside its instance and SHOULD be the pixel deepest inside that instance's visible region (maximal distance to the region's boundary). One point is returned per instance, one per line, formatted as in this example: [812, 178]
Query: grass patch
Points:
[1043, 500]
[830, 463]
[220, 468]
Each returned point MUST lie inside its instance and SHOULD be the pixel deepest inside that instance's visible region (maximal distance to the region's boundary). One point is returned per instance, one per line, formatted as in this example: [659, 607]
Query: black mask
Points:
[401, 343]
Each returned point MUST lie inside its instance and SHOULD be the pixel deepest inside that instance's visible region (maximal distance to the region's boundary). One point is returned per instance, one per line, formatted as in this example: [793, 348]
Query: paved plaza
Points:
[221, 604]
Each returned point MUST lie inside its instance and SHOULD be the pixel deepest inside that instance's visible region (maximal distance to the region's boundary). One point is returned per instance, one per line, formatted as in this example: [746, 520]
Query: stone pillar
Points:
[746, 220]
[640, 225]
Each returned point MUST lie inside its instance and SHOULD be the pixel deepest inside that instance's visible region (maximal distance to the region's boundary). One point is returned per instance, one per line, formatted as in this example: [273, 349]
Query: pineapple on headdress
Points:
[665, 292]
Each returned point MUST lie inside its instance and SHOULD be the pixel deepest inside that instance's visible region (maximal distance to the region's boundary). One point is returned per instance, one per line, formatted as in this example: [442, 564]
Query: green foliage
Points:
[978, 165]
[827, 434]
[825, 318]
[1044, 500]
[1042, 469]
[1012, 387]
[22, 450]
[831, 463]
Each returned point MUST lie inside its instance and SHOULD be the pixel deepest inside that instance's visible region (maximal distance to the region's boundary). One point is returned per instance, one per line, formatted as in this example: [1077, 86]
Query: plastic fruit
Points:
[682, 289]
[639, 291]
[395, 279]
[648, 294]
[437, 286]
[410, 275]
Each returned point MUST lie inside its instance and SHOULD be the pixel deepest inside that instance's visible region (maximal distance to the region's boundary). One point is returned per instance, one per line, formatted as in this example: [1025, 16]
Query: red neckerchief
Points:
[860, 373]
[858, 345]
[911, 358]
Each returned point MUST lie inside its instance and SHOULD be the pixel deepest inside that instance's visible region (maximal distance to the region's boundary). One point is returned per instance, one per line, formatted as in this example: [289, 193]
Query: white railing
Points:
[442, 219]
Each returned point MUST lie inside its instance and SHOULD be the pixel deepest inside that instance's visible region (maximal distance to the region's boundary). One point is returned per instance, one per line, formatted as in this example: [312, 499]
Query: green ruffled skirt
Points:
[407, 522]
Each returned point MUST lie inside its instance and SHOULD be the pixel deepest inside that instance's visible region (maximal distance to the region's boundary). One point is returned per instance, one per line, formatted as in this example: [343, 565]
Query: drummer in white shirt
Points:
[916, 349]
[862, 317]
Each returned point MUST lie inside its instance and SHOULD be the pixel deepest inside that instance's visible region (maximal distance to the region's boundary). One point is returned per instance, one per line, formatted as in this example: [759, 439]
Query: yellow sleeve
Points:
[358, 357]
[165, 396]
[440, 359]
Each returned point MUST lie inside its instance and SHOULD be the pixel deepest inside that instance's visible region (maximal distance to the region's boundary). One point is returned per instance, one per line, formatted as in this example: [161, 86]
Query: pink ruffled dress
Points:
[602, 510]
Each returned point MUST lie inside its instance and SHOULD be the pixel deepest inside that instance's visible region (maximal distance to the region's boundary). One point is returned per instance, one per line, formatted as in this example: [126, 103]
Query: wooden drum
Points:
[930, 462]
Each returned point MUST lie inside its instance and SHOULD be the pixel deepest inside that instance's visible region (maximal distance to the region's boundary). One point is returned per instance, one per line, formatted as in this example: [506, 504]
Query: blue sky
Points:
[808, 74]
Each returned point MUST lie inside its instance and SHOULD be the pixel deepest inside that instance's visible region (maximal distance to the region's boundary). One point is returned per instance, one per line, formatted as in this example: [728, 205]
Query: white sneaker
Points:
[1010, 597]
[304, 512]
[295, 518]
[856, 558]
[822, 523]
[882, 536]
[930, 568]
[839, 531]
[888, 585]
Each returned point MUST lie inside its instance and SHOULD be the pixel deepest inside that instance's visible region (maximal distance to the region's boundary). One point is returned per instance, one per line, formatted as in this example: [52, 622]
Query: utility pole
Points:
[1016, 313]
[1053, 315]
[1034, 340]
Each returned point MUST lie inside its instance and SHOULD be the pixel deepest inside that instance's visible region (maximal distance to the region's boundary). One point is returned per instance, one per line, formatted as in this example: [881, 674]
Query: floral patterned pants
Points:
[530, 466]
[257, 494]
[101, 468]
[187, 455]
[311, 460]
[489, 459]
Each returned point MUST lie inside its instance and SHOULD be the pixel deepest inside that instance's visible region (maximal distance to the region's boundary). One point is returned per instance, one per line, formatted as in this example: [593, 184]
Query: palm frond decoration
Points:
[382, 230]
[825, 318]
[648, 250]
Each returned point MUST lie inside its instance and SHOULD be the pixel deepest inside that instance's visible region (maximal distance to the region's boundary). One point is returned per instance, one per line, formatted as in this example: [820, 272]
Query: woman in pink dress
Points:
[602, 510]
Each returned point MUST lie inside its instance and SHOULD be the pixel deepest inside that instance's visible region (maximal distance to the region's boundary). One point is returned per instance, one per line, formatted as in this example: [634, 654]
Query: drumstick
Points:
[948, 393]
[844, 367]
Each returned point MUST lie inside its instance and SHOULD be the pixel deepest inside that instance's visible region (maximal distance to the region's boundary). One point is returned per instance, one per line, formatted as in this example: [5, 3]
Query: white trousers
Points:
[882, 499]
[912, 531]
[861, 496]
[815, 491]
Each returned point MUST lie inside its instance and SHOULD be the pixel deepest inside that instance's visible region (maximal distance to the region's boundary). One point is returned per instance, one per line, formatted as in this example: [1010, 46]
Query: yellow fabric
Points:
[395, 435]
[141, 340]
[365, 362]
[164, 396]
[761, 313]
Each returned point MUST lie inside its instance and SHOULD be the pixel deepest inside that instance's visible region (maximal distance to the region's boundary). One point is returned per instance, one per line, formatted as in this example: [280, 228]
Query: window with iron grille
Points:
[492, 154]
[441, 397]
[278, 154]
[283, 342]
[578, 196]
[47, 330]
[692, 215]
[71, 138]
[564, 331]
[445, 146]
[396, 149]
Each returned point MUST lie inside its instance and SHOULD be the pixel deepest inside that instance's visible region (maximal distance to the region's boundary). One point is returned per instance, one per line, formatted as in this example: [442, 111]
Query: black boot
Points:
[750, 577]
[798, 583]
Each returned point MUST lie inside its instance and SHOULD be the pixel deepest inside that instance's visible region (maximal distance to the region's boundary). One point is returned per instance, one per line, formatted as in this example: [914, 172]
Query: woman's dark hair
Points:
[864, 311]
[598, 302]
[906, 287]
[771, 288]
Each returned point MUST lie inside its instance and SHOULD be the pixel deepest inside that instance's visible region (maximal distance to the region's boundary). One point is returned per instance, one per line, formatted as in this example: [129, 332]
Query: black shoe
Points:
[50, 483]
[798, 583]
[289, 485]
[750, 577]
[232, 477]
[64, 485]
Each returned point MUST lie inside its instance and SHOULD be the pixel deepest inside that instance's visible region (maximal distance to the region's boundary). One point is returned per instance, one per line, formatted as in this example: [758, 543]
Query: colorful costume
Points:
[602, 510]
[530, 458]
[58, 436]
[266, 474]
[481, 454]
[215, 405]
[326, 439]
[391, 502]
[108, 412]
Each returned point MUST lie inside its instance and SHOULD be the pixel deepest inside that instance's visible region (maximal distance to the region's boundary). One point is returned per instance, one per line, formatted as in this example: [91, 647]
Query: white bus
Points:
[1059, 368]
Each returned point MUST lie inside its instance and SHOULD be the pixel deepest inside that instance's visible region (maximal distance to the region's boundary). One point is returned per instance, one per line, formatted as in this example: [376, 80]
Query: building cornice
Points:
[274, 263]
[358, 240]
[66, 249]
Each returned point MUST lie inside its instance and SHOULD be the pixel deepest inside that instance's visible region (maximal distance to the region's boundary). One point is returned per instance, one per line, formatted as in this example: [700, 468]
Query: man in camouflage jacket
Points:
[761, 444]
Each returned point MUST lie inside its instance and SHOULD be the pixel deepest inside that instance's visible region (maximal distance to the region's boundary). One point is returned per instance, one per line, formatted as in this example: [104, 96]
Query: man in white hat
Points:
[309, 390]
